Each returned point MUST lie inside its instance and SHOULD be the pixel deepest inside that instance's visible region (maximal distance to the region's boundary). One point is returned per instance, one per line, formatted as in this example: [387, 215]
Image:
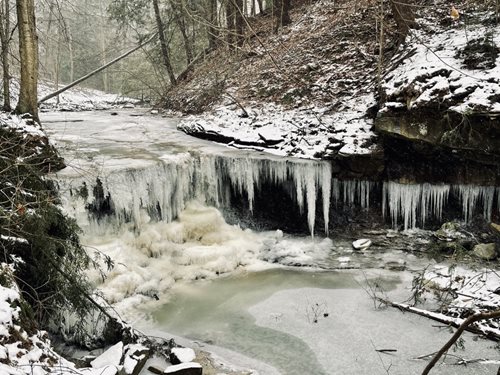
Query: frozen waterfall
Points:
[161, 190]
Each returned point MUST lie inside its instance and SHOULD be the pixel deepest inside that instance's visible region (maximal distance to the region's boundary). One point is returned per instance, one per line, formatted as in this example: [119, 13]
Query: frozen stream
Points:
[225, 287]
[269, 316]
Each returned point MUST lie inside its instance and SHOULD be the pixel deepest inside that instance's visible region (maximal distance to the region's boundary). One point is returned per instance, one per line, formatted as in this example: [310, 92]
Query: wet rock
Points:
[181, 355]
[486, 251]
[189, 368]
[155, 370]
[362, 244]
[449, 231]
[495, 228]
[135, 359]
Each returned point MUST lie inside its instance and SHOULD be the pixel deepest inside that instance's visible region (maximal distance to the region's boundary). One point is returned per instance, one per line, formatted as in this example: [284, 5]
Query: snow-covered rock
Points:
[182, 355]
[444, 89]
[188, 368]
[305, 133]
[362, 244]
[112, 356]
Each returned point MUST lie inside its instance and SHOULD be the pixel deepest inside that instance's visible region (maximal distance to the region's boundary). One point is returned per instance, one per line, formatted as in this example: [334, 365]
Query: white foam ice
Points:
[199, 244]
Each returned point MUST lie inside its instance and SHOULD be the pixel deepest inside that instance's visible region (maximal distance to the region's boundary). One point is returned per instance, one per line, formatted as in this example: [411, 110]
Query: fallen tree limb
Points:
[488, 332]
[464, 326]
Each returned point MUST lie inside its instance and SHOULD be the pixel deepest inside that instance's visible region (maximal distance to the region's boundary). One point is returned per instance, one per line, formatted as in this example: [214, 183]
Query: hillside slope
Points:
[311, 90]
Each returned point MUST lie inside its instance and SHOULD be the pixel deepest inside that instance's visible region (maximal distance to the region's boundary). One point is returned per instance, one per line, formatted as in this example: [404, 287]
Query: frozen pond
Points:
[270, 316]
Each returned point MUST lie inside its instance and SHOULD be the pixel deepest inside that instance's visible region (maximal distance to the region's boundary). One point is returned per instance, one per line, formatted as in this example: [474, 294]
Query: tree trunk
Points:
[46, 63]
[404, 17]
[230, 23]
[102, 37]
[57, 58]
[28, 53]
[283, 13]
[212, 28]
[239, 22]
[261, 7]
[5, 45]
[181, 23]
[163, 43]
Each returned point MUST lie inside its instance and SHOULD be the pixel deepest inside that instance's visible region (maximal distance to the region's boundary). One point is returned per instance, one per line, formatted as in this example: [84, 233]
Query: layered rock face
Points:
[440, 116]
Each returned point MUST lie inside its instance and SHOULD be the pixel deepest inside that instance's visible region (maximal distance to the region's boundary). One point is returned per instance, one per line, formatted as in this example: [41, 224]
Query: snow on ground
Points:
[306, 133]
[456, 66]
[83, 99]
[23, 353]
[75, 99]
[457, 292]
[20, 125]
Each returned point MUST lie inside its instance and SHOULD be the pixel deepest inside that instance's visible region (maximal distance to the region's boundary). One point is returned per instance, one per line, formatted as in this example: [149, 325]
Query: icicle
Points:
[311, 183]
[470, 195]
[326, 186]
[161, 191]
[336, 191]
[413, 202]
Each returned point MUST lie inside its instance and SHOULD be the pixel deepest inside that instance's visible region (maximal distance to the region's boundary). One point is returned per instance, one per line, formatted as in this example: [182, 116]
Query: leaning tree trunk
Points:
[5, 45]
[28, 53]
[163, 43]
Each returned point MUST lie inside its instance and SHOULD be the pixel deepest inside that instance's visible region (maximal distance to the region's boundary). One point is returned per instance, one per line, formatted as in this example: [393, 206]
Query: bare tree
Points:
[282, 11]
[28, 53]
[163, 43]
[5, 45]
[180, 20]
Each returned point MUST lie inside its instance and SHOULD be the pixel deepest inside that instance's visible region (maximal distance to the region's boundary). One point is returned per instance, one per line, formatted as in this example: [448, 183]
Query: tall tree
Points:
[213, 34]
[180, 20]
[5, 45]
[163, 43]
[230, 22]
[28, 53]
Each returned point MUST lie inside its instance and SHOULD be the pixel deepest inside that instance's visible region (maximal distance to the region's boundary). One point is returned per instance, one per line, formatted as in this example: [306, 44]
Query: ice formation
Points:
[415, 203]
[161, 191]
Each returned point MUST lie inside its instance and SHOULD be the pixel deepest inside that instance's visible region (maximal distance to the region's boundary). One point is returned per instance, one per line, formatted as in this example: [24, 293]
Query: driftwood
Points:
[80, 80]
